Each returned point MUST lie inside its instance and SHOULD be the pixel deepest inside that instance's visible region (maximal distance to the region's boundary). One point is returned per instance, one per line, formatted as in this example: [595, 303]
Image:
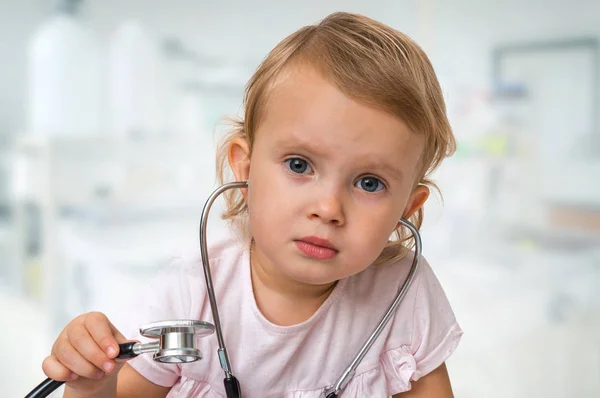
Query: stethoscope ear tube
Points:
[183, 328]
[45, 388]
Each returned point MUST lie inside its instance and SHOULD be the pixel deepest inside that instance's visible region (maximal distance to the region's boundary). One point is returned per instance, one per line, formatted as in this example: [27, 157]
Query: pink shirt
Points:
[297, 361]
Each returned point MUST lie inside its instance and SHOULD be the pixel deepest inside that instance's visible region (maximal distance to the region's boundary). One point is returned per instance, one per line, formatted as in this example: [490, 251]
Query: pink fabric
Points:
[297, 361]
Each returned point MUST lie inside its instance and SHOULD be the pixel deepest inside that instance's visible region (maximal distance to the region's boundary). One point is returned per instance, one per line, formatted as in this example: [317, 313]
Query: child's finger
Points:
[100, 329]
[85, 344]
[56, 370]
[120, 338]
[73, 360]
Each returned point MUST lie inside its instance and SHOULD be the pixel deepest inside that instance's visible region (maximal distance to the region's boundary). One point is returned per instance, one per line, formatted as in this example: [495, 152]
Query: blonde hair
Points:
[371, 63]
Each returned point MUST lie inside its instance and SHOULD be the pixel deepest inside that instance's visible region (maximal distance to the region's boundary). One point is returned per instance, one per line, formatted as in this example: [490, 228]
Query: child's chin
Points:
[315, 279]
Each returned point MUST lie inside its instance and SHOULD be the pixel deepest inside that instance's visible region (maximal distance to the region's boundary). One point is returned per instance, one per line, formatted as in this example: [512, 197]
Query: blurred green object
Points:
[495, 145]
[492, 145]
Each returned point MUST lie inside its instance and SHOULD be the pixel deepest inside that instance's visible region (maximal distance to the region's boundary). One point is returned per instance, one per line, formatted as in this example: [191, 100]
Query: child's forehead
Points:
[304, 96]
[293, 74]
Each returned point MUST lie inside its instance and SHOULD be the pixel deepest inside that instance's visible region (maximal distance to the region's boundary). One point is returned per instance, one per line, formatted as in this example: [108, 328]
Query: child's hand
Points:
[83, 354]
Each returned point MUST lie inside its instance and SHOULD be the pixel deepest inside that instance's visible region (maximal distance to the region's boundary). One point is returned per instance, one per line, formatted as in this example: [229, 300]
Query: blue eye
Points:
[297, 165]
[370, 184]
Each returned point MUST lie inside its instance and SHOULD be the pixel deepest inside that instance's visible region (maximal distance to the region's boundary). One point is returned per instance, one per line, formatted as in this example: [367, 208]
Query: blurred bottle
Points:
[184, 96]
[64, 75]
[189, 121]
[135, 81]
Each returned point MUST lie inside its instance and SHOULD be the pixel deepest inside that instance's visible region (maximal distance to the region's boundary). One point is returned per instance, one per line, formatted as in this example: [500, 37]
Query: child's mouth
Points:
[318, 248]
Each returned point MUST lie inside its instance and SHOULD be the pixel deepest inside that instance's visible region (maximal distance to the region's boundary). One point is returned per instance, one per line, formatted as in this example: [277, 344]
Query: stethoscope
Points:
[177, 338]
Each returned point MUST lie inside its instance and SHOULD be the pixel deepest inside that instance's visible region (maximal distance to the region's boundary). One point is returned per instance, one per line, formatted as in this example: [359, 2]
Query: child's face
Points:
[324, 166]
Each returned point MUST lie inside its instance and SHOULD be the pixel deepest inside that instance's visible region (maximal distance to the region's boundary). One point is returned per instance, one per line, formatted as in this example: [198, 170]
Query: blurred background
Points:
[110, 112]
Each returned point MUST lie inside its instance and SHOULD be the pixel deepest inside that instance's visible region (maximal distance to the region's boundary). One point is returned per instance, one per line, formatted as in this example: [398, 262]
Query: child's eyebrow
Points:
[294, 142]
[377, 165]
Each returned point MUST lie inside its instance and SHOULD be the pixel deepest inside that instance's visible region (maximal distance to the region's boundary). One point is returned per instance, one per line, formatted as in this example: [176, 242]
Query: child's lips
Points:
[317, 241]
[316, 247]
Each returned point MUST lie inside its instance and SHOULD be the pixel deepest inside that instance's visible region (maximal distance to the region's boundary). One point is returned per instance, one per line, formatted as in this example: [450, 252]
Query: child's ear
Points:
[416, 201]
[238, 156]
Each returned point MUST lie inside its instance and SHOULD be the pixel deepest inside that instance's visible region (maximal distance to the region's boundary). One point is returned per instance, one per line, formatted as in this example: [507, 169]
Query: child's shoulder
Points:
[223, 246]
[424, 304]
[390, 276]
[177, 289]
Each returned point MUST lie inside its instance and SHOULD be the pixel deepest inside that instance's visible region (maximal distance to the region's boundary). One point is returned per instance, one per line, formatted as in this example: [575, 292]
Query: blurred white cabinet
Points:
[110, 186]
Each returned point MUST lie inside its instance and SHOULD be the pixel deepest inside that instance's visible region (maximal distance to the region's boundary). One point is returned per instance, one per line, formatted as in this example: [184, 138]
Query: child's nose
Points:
[329, 207]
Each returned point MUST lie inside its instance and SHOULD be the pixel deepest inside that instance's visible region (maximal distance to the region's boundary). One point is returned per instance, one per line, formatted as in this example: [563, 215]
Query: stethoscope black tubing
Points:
[47, 386]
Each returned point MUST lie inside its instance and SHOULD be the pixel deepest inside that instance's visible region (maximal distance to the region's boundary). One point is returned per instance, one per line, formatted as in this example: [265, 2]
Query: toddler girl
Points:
[344, 121]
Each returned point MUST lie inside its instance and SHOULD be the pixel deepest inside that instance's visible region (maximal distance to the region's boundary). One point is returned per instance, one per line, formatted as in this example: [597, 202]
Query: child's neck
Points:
[282, 301]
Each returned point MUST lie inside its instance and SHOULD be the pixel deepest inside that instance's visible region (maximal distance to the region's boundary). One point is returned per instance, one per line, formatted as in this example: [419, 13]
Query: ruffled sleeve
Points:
[435, 334]
[403, 365]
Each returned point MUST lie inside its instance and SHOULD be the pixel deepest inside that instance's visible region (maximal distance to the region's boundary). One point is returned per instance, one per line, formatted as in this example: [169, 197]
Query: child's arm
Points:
[131, 384]
[435, 384]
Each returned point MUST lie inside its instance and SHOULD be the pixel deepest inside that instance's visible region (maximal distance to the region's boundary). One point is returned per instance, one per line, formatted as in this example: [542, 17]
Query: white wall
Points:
[230, 28]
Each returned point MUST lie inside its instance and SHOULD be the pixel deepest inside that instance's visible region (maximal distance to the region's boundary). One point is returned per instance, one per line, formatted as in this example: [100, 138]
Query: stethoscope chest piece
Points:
[177, 340]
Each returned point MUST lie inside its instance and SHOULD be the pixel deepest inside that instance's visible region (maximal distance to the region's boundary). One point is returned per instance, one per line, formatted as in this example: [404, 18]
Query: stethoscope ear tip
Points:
[232, 387]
